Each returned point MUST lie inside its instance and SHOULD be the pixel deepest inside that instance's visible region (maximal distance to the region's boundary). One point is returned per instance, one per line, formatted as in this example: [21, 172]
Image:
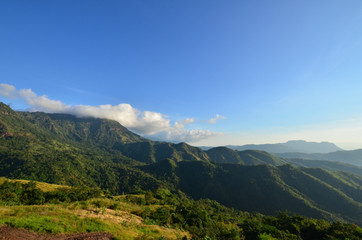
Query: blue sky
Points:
[205, 72]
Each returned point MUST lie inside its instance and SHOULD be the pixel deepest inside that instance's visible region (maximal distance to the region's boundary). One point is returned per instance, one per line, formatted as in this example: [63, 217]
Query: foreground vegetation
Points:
[151, 215]
[76, 210]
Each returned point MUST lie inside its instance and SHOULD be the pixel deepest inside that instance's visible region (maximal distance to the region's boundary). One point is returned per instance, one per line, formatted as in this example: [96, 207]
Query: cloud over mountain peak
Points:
[147, 123]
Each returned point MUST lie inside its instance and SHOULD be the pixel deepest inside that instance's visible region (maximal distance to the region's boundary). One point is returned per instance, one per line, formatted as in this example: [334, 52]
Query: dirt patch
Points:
[9, 233]
[109, 214]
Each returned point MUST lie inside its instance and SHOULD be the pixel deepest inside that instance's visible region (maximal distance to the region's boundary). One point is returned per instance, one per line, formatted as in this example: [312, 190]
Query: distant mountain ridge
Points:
[256, 157]
[292, 152]
[351, 157]
[288, 147]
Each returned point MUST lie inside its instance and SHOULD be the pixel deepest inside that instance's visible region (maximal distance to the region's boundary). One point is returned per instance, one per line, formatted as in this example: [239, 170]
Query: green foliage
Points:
[197, 217]
[207, 219]
[265, 236]
[13, 193]
[148, 197]
[17, 193]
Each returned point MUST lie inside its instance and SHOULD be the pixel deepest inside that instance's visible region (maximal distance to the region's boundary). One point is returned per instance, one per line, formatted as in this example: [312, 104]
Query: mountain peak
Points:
[6, 109]
[311, 147]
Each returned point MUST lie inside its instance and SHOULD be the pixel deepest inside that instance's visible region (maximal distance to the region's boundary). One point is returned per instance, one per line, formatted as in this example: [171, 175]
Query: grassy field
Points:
[95, 215]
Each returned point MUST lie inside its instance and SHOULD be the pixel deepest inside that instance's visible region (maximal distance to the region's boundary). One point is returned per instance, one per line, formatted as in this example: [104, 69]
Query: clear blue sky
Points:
[271, 70]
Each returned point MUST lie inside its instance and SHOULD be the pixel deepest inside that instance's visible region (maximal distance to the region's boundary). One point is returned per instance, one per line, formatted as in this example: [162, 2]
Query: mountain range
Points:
[350, 157]
[292, 146]
[60, 148]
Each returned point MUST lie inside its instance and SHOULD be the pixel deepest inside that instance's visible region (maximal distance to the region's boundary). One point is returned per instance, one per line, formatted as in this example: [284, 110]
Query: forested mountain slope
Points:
[247, 157]
[59, 148]
[267, 189]
[327, 165]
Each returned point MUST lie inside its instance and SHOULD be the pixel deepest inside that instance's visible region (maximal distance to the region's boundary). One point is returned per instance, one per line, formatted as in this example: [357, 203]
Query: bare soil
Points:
[110, 214]
[9, 233]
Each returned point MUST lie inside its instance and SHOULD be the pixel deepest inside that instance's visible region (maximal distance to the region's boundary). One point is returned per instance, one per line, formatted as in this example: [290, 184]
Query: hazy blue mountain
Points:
[290, 146]
[351, 157]
[312, 147]
[272, 148]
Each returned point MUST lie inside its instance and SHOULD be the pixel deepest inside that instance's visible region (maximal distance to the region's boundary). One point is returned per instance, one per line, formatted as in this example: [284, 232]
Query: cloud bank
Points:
[150, 124]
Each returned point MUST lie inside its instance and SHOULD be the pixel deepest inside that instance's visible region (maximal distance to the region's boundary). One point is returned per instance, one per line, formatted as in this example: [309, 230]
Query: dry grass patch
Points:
[45, 187]
[115, 216]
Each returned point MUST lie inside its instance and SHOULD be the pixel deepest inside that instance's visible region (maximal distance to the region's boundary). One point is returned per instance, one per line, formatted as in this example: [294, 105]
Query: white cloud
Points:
[42, 102]
[7, 90]
[147, 123]
[141, 122]
[216, 118]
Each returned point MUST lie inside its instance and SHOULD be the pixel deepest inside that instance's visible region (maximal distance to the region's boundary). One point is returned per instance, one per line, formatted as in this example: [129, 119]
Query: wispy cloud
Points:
[216, 118]
[146, 123]
[181, 123]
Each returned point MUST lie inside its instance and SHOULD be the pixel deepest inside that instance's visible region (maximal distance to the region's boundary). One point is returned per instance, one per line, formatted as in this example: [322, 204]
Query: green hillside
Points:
[327, 165]
[247, 157]
[267, 189]
[150, 152]
[224, 155]
[63, 149]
